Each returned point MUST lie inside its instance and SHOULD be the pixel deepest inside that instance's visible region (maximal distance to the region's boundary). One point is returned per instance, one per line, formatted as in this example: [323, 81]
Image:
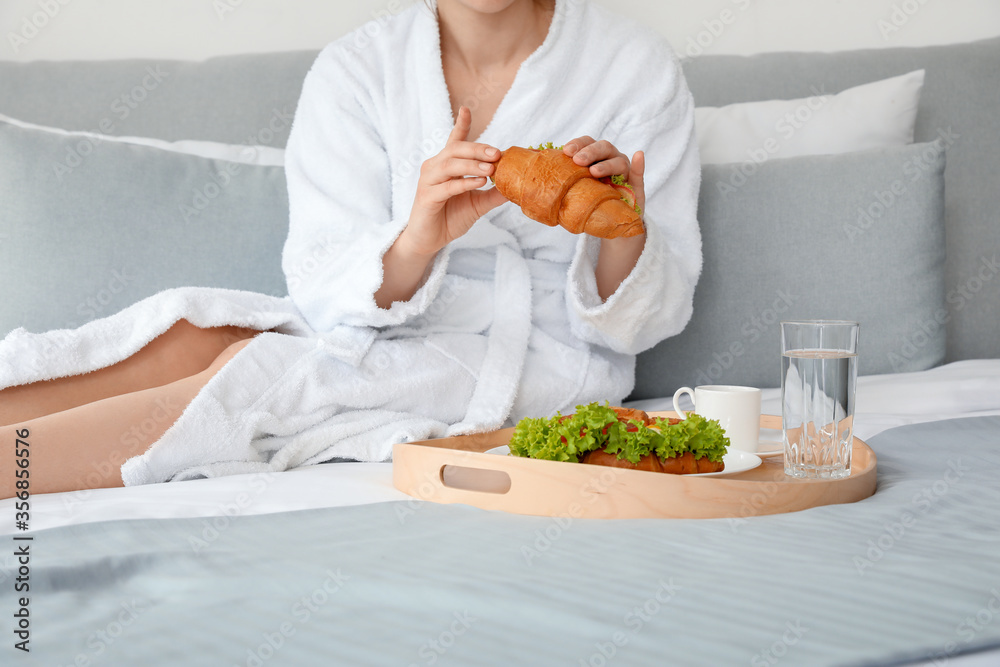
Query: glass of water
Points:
[819, 372]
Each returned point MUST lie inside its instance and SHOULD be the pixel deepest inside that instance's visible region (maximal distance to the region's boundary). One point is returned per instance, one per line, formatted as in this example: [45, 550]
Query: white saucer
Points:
[736, 461]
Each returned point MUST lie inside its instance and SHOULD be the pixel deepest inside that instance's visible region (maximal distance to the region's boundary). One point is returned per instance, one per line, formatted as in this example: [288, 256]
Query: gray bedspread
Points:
[911, 573]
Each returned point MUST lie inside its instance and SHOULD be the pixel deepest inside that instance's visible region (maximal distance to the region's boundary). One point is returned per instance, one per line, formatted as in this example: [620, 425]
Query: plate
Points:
[736, 461]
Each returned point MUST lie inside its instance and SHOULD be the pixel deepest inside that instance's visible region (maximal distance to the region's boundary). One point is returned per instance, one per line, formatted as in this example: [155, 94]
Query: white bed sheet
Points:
[960, 389]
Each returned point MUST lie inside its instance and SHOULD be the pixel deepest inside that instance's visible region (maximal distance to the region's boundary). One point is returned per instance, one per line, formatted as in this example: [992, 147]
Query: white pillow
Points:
[873, 115]
[266, 156]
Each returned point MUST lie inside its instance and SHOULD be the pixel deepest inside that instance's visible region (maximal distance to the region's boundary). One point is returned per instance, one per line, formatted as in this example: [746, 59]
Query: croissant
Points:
[681, 464]
[552, 189]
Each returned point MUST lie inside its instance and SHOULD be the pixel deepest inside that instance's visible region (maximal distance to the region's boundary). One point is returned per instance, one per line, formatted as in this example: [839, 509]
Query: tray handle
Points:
[448, 475]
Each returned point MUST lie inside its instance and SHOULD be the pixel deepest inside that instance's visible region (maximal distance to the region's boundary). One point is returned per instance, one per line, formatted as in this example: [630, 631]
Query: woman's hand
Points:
[447, 204]
[448, 201]
[618, 256]
[606, 160]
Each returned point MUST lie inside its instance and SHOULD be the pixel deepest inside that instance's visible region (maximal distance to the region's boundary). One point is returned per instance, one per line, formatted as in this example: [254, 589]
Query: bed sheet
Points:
[960, 389]
[879, 582]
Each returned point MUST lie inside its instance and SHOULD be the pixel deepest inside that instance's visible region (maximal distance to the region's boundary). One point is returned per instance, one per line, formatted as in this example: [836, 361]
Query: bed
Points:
[330, 564]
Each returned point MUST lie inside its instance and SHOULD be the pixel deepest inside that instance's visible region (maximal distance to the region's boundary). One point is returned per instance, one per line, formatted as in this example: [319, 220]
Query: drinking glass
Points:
[819, 371]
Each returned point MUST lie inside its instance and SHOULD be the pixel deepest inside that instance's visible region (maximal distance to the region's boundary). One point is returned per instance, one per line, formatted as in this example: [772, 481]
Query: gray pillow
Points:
[858, 236]
[88, 227]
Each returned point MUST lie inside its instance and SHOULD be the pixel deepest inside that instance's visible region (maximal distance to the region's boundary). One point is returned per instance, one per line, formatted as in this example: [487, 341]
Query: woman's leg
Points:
[181, 351]
[84, 447]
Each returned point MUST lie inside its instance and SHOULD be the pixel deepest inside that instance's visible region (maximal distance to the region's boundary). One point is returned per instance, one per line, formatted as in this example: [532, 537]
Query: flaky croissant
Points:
[552, 189]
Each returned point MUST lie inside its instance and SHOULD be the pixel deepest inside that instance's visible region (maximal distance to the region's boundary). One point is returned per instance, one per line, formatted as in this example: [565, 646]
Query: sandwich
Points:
[624, 438]
[552, 189]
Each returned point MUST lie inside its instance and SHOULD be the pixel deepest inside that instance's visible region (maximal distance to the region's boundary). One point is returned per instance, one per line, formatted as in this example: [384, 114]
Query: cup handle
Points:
[677, 404]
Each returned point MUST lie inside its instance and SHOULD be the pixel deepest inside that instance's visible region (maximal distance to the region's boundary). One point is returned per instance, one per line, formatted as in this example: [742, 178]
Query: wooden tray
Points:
[454, 470]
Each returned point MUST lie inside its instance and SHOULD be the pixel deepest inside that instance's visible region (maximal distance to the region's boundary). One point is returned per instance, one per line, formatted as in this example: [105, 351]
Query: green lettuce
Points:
[595, 426]
[619, 180]
[546, 146]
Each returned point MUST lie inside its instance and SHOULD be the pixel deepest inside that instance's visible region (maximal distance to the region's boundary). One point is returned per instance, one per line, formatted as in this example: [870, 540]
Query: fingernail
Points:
[492, 152]
[570, 147]
[485, 166]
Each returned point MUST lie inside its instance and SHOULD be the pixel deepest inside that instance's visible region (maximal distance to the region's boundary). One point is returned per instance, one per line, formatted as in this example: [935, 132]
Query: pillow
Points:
[874, 115]
[89, 229]
[858, 236]
[262, 155]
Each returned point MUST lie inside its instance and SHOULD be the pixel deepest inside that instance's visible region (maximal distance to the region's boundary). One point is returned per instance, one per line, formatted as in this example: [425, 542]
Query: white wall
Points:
[195, 29]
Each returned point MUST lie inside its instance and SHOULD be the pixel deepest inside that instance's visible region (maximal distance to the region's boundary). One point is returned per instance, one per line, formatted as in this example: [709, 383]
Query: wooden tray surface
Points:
[454, 470]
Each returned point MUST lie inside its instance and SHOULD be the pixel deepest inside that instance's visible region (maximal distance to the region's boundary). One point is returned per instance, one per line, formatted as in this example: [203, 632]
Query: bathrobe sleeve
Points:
[655, 299]
[340, 201]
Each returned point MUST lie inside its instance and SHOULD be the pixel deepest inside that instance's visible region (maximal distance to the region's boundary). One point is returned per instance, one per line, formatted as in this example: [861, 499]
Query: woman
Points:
[419, 305]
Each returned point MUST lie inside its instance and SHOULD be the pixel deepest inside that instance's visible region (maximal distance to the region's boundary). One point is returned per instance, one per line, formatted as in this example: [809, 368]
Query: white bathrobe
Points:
[508, 322]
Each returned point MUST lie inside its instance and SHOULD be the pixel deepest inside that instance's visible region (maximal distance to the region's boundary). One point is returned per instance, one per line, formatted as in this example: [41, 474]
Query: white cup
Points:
[737, 410]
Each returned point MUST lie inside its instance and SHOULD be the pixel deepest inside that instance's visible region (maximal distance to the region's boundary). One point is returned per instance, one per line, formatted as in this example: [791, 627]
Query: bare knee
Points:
[200, 346]
[182, 331]
[230, 335]
[227, 355]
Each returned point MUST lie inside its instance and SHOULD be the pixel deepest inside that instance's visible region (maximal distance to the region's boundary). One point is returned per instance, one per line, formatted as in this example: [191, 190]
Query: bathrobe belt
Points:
[503, 364]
